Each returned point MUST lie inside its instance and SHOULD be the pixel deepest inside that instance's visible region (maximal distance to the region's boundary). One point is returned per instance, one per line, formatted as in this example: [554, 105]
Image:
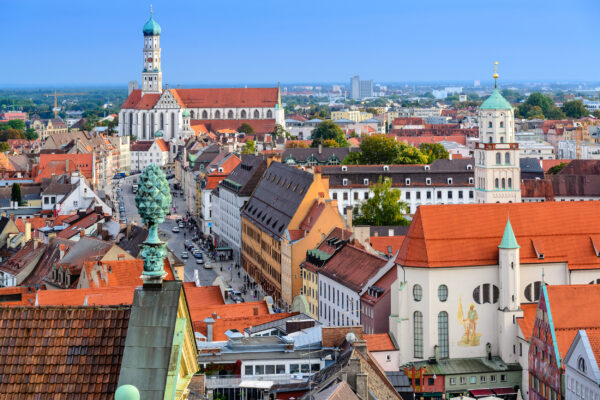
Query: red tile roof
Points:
[417, 140]
[547, 164]
[260, 126]
[202, 296]
[540, 188]
[341, 267]
[408, 121]
[162, 145]
[139, 102]
[469, 234]
[227, 97]
[141, 145]
[80, 225]
[379, 342]
[527, 321]
[239, 323]
[119, 273]
[381, 243]
[133, 99]
[112, 296]
[57, 352]
[56, 164]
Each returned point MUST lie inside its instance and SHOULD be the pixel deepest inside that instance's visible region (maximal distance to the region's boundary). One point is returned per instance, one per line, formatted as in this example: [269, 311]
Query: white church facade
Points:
[152, 108]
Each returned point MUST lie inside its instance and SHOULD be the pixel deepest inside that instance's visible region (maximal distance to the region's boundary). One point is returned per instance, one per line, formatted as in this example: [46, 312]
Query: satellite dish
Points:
[351, 337]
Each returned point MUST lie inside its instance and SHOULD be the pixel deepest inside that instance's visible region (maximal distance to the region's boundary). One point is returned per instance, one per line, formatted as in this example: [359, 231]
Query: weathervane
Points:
[496, 74]
[153, 200]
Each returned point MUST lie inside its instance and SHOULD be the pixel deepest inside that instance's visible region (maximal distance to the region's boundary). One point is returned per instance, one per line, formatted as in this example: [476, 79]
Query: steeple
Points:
[509, 241]
[151, 73]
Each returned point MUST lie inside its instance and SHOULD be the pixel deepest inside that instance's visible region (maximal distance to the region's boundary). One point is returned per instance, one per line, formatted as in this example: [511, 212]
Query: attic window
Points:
[294, 188]
[449, 181]
[471, 180]
[469, 167]
[344, 168]
[288, 185]
[596, 244]
[386, 168]
[428, 181]
[366, 181]
[407, 181]
[301, 190]
[538, 247]
[427, 168]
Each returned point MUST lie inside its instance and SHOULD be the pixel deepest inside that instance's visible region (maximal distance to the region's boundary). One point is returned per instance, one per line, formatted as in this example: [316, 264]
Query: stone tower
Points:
[497, 170]
[151, 74]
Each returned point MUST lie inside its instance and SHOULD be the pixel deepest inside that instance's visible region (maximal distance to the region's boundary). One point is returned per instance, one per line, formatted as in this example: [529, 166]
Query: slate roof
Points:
[277, 197]
[147, 352]
[61, 352]
[50, 257]
[301, 155]
[132, 239]
[338, 391]
[400, 381]
[531, 165]
[244, 178]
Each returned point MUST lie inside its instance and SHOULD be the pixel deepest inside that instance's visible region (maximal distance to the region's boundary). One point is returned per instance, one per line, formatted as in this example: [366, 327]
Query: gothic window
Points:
[507, 158]
[144, 125]
[217, 114]
[269, 114]
[536, 287]
[501, 124]
[417, 292]
[490, 124]
[256, 114]
[172, 125]
[161, 120]
[230, 114]
[243, 114]
[204, 114]
[510, 183]
[192, 114]
[503, 183]
[496, 183]
[418, 334]
[152, 124]
[130, 124]
[498, 158]
[443, 346]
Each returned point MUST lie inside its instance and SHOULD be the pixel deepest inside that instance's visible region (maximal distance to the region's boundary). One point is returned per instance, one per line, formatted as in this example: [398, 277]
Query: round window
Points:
[443, 292]
[417, 292]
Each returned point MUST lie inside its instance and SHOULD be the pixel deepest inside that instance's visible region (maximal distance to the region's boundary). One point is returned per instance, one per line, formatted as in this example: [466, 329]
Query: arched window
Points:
[510, 183]
[217, 114]
[581, 364]
[501, 124]
[230, 114]
[172, 125]
[130, 124]
[507, 158]
[192, 114]
[498, 158]
[418, 334]
[204, 115]
[243, 114]
[496, 183]
[443, 346]
[490, 124]
[144, 125]
[152, 125]
[161, 120]
[417, 292]
[269, 114]
[443, 293]
[503, 183]
[256, 114]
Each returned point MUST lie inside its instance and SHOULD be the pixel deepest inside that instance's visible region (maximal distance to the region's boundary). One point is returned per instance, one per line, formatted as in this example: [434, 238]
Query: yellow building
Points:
[352, 115]
[48, 127]
[289, 212]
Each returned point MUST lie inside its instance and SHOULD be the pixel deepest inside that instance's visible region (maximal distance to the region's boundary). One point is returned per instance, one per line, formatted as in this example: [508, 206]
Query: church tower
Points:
[151, 74]
[497, 170]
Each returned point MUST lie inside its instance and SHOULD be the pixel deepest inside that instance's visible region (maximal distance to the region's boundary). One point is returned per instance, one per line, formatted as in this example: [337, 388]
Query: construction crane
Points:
[57, 95]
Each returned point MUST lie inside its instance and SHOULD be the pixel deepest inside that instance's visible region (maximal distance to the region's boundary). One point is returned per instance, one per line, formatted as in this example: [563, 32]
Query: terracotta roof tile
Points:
[383, 244]
[227, 97]
[379, 342]
[527, 321]
[594, 339]
[239, 323]
[260, 126]
[119, 273]
[47, 351]
[133, 99]
[547, 164]
[340, 267]
[162, 145]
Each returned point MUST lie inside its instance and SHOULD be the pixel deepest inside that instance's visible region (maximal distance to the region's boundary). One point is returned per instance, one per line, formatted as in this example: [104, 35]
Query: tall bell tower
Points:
[151, 74]
[497, 168]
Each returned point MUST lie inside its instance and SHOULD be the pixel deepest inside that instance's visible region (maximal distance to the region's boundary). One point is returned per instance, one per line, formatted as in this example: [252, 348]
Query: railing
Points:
[223, 381]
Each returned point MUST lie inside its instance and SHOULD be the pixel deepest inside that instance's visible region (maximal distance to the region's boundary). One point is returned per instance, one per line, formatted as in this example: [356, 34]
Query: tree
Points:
[384, 208]
[328, 130]
[4, 147]
[380, 149]
[279, 132]
[15, 194]
[557, 168]
[330, 143]
[295, 144]
[596, 114]
[535, 112]
[31, 134]
[575, 109]
[17, 124]
[11, 133]
[249, 148]
[433, 151]
[246, 128]
[538, 106]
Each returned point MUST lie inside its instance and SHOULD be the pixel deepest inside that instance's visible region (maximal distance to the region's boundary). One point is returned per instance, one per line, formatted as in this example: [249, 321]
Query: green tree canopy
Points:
[16, 124]
[328, 130]
[383, 208]
[433, 151]
[31, 134]
[279, 132]
[380, 149]
[539, 106]
[575, 109]
[557, 168]
[249, 148]
[246, 128]
[15, 194]
[4, 147]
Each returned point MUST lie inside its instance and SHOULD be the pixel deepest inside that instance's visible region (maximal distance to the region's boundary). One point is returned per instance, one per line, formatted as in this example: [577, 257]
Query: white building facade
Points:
[582, 375]
[146, 152]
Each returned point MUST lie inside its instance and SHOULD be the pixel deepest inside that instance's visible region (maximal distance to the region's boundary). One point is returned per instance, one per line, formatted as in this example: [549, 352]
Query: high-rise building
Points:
[355, 87]
[360, 89]
[497, 170]
[366, 89]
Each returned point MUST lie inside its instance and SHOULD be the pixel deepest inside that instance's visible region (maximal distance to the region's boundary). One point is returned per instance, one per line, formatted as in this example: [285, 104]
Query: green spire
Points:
[127, 392]
[509, 241]
[153, 200]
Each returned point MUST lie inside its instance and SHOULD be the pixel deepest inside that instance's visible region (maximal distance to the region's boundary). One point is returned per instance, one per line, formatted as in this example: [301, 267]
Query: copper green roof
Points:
[496, 102]
[185, 113]
[151, 28]
[509, 241]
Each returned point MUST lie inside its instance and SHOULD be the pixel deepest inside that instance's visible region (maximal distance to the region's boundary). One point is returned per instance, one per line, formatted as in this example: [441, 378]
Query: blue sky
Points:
[266, 41]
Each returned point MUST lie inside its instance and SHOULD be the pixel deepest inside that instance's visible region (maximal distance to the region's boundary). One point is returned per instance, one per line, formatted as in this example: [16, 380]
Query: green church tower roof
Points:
[185, 113]
[151, 28]
[509, 241]
[496, 102]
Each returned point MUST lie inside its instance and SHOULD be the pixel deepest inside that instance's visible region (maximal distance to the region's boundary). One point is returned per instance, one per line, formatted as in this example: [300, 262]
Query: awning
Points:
[256, 384]
[224, 249]
[481, 392]
[504, 391]
[432, 394]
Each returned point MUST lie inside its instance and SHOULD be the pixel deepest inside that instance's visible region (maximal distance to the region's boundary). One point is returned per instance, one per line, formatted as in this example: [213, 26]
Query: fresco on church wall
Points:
[469, 322]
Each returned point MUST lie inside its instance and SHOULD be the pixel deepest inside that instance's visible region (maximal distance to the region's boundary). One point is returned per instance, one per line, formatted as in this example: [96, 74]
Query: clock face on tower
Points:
[150, 59]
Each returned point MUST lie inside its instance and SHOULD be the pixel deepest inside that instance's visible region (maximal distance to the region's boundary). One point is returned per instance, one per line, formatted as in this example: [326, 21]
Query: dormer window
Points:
[407, 181]
[471, 181]
[469, 167]
[449, 181]
[366, 182]
[427, 168]
[345, 182]
[386, 168]
[428, 181]
[344, 168]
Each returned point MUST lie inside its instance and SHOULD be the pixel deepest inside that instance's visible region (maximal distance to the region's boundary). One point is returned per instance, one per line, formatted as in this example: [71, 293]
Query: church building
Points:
[173, 111]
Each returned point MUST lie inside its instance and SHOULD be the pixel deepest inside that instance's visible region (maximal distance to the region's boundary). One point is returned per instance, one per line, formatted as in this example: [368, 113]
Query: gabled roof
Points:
[141, 145]
[244, 178]
[67, 341]
[379, 342]
[228, 97]
[301, 155]
[135, 100]
[469, 234]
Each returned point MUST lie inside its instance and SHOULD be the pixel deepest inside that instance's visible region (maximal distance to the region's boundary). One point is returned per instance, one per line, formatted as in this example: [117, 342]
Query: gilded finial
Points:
[496, 74]
[150, 9]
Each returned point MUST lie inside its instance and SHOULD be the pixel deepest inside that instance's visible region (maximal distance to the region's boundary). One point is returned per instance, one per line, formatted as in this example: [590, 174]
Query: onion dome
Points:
[151, 28]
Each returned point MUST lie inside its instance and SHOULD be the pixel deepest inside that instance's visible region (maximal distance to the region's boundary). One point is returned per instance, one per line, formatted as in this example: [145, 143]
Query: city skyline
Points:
[201, 46]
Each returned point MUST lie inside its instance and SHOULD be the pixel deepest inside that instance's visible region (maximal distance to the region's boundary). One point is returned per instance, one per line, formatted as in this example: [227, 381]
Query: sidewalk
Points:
[231, 278]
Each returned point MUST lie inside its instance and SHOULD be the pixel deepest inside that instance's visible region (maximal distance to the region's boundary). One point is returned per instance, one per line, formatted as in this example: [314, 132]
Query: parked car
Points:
[185, 255]
[198, 254]
[181, 225]
[199, 261]
[175, 229]
[188, 245]
[208, 266]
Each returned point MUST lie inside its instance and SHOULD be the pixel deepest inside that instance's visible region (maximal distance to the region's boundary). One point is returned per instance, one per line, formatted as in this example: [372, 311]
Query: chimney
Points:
[320, 148]
[349, 216]
[62, 248]
[209, 328]
[67, 165]
[391, 232]
[361, 386]
[360, 345]
[27, 231]
[82, 233]
[35, 243]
